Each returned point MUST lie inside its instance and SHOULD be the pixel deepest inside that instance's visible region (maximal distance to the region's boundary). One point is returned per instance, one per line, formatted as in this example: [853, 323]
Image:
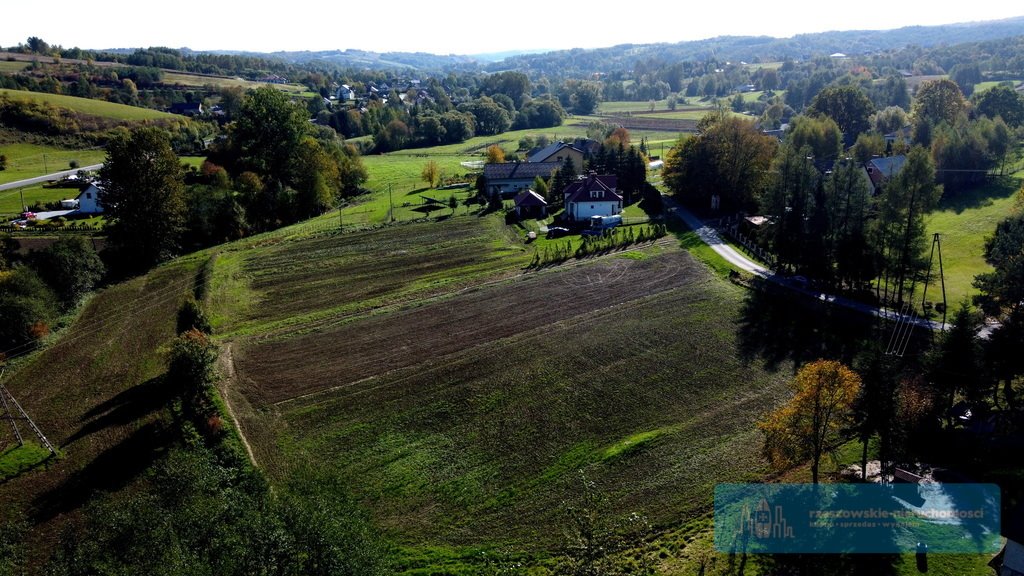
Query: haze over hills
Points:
[624, 56]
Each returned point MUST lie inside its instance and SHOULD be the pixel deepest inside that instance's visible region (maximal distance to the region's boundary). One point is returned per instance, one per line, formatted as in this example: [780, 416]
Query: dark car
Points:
[557, 232]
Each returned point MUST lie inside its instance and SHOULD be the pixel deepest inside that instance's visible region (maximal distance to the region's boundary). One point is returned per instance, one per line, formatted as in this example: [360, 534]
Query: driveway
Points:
[735, 258]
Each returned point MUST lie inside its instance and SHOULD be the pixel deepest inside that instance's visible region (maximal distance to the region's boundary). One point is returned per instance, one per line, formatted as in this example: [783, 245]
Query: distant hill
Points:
[746, 48]
[578, 61]
[760, 48]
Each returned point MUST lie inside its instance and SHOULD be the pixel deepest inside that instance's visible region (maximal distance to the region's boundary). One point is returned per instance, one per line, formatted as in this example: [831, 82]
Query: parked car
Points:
[557, 232]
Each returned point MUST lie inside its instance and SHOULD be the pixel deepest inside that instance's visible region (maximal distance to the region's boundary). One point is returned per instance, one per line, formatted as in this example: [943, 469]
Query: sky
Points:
[445, 27]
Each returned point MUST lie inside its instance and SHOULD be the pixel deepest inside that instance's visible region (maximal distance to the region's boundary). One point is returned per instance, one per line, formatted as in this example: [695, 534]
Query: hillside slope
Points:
[464, 412]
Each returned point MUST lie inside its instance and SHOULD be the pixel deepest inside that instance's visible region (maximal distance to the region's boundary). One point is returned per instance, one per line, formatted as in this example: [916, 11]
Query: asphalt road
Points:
[737, 259]
[46, 178]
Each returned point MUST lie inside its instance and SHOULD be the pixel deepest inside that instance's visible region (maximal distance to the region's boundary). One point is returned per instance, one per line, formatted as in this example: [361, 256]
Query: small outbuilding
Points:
[529, 204]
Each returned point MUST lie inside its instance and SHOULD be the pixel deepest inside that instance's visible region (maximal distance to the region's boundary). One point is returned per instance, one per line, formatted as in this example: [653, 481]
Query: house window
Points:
[88, 195]
[591, 206]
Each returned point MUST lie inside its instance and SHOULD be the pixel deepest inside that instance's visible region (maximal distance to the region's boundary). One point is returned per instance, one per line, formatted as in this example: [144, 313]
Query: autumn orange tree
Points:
[808, 425]
[495, 154]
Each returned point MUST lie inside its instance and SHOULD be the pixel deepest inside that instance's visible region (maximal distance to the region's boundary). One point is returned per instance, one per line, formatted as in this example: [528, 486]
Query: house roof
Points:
[593, 188]
[91, 187]
[529, 199]
[881, 169]
[520, 170]
[545, 153]
[179, 107]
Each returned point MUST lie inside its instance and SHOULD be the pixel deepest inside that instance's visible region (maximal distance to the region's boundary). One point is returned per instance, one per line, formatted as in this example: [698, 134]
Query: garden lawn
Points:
[963, 223]
[10, 200]
[31, 160]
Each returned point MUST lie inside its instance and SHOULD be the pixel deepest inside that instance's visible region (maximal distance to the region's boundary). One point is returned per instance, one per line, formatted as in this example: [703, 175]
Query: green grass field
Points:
[755, 96]
[30, 160]
[981, 87]
[964, 223]
[621, 107]
[462, 399]
[199, 80]
[92, 107]
[10, 200]
[8, 67]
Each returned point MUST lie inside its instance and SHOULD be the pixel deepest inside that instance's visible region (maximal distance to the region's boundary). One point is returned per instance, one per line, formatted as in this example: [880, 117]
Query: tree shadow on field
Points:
[127, 407]
[983, 195]
[830, 564]
[779, 325]
[111, 470]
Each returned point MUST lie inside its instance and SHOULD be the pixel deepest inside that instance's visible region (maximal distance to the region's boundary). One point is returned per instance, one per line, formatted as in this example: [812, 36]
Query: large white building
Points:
[592, 196]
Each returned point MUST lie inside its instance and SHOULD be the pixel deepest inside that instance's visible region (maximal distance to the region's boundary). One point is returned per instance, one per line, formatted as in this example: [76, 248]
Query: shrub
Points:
[192, 317]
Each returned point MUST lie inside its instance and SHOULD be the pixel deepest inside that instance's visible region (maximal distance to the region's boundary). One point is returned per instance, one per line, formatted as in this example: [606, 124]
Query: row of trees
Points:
[904, 403]
[825, 220]
[274, 168]
[36, 289]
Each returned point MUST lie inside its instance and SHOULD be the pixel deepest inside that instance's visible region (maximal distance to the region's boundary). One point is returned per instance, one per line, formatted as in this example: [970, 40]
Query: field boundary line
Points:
[227, 368]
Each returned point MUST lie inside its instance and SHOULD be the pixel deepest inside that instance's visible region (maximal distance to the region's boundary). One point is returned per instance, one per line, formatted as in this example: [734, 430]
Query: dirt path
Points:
[226, 367]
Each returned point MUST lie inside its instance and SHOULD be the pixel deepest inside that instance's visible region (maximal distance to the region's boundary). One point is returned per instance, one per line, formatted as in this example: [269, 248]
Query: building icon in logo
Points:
[763, 522]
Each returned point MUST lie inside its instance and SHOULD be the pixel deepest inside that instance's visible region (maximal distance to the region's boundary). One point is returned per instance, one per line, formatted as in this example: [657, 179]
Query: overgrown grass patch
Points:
[17, 459]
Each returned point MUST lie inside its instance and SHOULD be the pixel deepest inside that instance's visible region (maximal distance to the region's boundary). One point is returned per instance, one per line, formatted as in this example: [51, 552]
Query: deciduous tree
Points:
[847, 105]
[495, 154]
[938, 101]
[729, 156]
[809, 424]
[143, 196]
[431, 173]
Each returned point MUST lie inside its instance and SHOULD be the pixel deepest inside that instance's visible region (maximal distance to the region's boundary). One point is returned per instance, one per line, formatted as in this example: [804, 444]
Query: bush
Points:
[191, 366]
[71, 267]
[192, 317]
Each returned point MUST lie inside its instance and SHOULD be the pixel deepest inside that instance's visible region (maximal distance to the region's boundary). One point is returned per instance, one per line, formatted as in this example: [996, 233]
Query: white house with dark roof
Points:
[89, 200]
[592, 196]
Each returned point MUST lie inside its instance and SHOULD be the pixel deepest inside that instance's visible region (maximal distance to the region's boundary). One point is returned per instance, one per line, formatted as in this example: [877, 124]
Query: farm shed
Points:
[529, 204]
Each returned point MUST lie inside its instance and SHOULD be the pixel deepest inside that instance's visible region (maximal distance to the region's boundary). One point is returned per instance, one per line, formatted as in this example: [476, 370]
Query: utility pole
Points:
[6, 400]
[391, 204]
[21, 192]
